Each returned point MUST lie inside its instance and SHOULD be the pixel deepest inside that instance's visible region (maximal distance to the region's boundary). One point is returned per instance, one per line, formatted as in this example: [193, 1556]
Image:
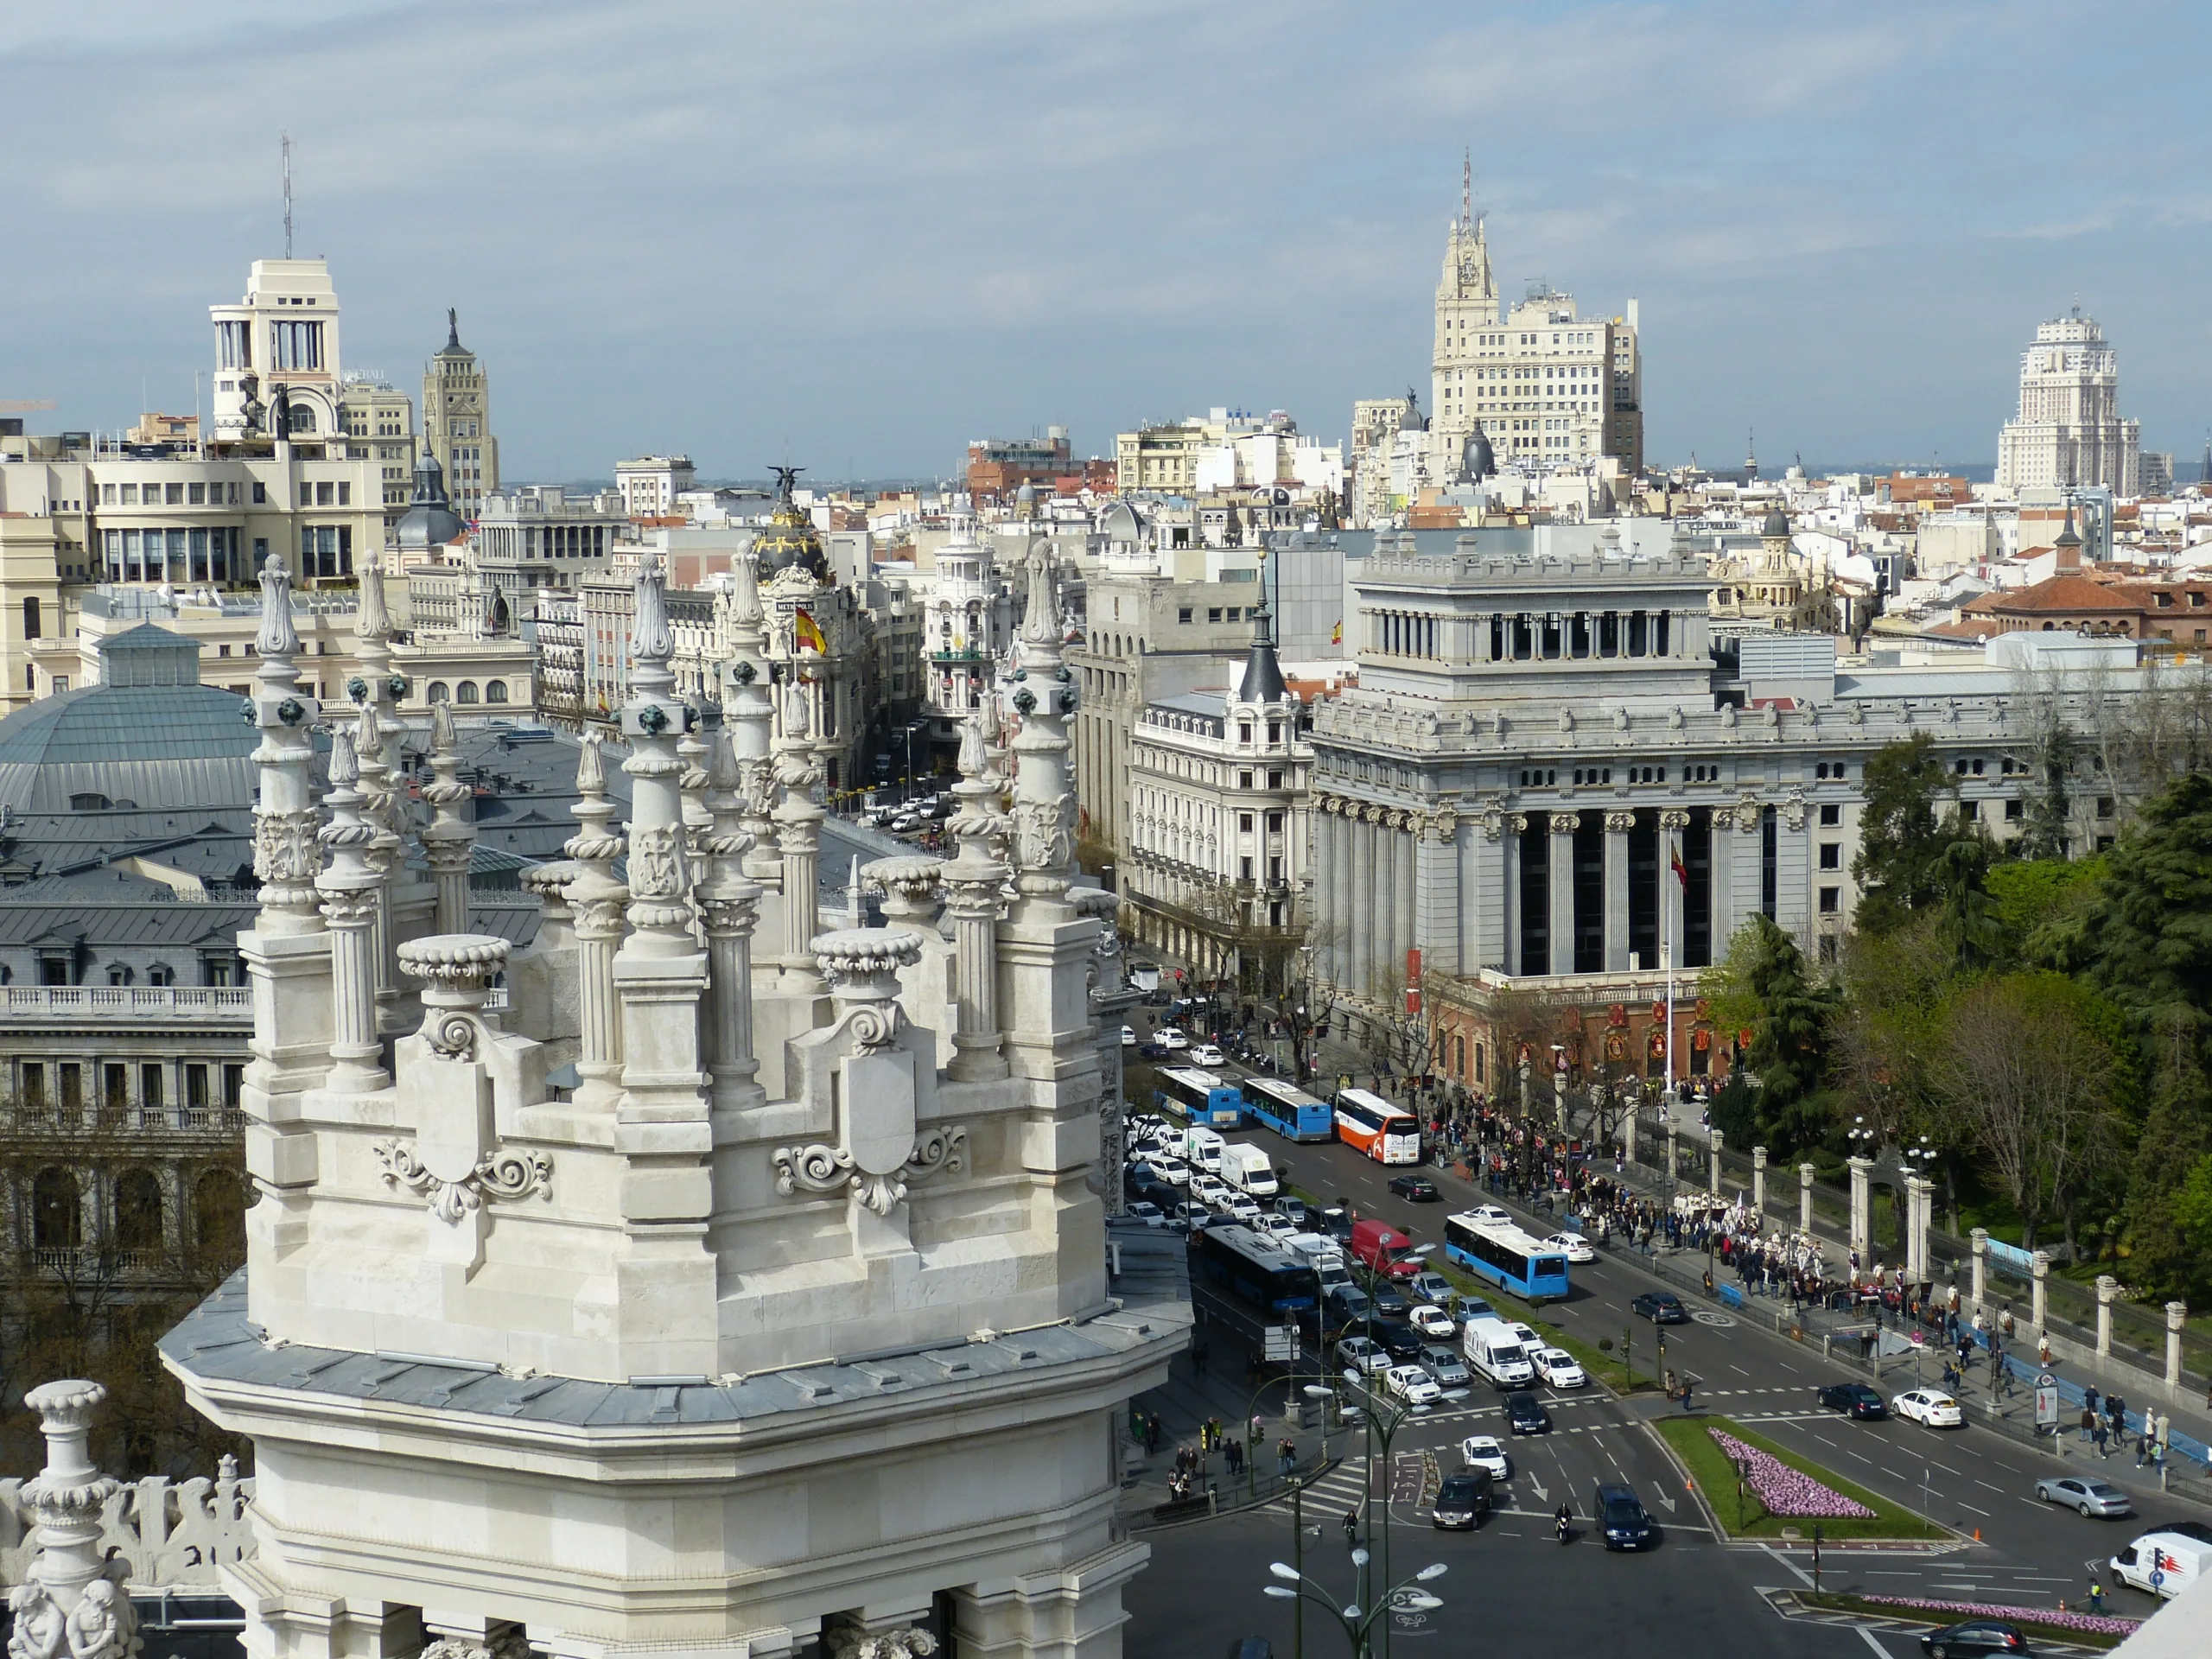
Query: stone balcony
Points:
[46, 1005]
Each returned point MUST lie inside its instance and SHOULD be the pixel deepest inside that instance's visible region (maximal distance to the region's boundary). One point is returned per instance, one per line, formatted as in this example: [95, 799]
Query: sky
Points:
[857, 236]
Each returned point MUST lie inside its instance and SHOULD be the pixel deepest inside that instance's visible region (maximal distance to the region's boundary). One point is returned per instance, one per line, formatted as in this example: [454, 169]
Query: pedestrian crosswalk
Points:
[1345, 1484]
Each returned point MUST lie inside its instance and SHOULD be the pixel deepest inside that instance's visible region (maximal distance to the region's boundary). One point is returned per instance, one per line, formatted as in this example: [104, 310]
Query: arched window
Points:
[56, 1212]
[1460, 1056]
[438, 692]
[495, 690]
[218, 1217]
[465, 692]
[137, 1210]
[302, 417]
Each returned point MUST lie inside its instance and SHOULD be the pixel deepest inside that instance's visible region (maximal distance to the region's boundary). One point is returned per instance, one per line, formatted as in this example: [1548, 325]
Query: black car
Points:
[1397, 1338]
[1336, 1222]
[1525, 1415]
[1462, 1501]
[1414, 1189]
[1854, 1400]
[1622, 1522]
[1975, 1635]
[1389, 1300]
[1661, 1307]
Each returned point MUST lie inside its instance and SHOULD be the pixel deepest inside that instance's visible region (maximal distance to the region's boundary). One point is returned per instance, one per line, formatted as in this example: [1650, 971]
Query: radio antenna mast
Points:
[287, 194]
[1466, 189]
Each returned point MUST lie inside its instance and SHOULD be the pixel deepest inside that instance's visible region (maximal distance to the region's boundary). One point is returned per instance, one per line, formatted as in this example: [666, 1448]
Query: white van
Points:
[2178, 1561]
[1202, 1150]
[1248, 1169]
[1494, 1352]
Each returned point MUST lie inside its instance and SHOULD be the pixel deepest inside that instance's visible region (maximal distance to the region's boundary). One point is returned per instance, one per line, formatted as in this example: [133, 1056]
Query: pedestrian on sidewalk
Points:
[1287, 1455]
[2099, 1436]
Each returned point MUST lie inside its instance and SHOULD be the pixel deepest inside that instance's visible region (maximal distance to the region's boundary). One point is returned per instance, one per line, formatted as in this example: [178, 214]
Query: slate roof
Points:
[216, 1341]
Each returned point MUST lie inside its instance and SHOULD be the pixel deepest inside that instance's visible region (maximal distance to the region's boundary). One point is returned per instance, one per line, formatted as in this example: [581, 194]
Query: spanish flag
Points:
[1674, 857]
[1336, 634]
[805, 632]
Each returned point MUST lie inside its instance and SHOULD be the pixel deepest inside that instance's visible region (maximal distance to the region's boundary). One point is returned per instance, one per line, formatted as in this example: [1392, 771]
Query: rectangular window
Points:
[260, 494]
[233, 1086]
[195, 1085]
[307, 495]
[1831, 900]
[195, 495]
[73, 1086]
[1831, 816]
[1184, 615]
[1274, 823]
[2014, 811]
[176, 497]
[150, 1085]
[130, 495]
[115, 1087]
[1274, 778]
[30, 619]
[1244, 869]
[34, 1086]
[1244, 823]
[1831, 855]
[344, 495]
[1213, 613]
[1243, 780]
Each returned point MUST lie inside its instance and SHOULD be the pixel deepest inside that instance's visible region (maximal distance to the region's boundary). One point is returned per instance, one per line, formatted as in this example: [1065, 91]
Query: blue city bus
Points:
[1507, 1257]
[1288, 1110]
[1189, 1096]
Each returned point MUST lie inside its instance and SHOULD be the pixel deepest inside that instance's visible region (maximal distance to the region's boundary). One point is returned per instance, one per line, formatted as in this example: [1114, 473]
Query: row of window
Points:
[218, 494]
[200, 1079]
[493, 691]
[57, 1208]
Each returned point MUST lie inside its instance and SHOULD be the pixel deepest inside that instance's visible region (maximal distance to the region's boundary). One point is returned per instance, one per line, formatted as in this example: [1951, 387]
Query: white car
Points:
[1932, 1407]
[1240, 1207]
[904, 823]
[1169, 1168]
[1363, 1355]
[1129, 1036]
[1572, 1246]
[1170, 1039]
[1530, 1340]
[1280, 1226]
[1210, 1189]
[1557, 1367]
[1433, 1321]
[1413, 1384]
[1207, 1054]
[1489, 1214]
[1483, 1452]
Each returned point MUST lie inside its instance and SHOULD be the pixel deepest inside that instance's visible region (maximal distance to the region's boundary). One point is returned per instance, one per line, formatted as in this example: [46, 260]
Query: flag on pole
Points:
[804, 631]
[1336, 634]
[1674, 857]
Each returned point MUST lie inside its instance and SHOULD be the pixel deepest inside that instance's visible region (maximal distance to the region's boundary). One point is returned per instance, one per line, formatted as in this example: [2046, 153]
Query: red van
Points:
[1384, 1248]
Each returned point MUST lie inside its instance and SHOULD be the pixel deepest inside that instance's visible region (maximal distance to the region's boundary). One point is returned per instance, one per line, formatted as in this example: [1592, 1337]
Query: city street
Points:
[2029, 1554]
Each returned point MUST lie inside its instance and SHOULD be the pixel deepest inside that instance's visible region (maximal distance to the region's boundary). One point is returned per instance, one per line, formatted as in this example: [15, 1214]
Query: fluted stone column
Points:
[975, 886]
[1712, 1183]
[1915, 1236]
[2039, 1306]
[601, 904]
[449, 839]
[1561, 848]
[380, 746]
[1673, 1147]
[1805, 1198]
[798, 818]
[1617, 824]
[379, 809]
[752, 720]
[1862, 1231]
[349, 888]
[2107, 1290]
[1759, 1183]
[1672, 822]
[729, 906]
[1980, 1241]
[2176, 1317]
[1404, 829]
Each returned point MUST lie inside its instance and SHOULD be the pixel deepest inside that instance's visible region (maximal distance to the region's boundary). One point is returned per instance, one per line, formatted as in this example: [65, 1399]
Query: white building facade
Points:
[2068, 431]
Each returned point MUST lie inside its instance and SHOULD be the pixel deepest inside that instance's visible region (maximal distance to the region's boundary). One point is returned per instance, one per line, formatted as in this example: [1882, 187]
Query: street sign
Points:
[2156, 1578]
[2046, 1402]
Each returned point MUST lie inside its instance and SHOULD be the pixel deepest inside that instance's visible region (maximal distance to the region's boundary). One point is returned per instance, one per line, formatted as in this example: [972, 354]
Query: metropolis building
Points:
[735, 1286]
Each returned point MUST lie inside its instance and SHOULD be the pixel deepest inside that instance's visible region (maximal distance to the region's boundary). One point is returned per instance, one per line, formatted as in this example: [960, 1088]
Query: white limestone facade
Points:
[2068, 431]
[742, 1288]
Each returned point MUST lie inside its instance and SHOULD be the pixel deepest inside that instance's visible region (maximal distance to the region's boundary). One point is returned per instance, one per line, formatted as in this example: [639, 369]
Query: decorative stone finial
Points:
[374, 622]
[909, 884]
[1040, 622]
[72, 1602]
[651, 640]
[277, 637]
[453, 965]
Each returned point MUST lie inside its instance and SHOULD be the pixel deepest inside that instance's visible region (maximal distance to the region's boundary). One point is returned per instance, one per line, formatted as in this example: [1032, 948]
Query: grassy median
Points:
[1829, 1601]
[1744, 1516]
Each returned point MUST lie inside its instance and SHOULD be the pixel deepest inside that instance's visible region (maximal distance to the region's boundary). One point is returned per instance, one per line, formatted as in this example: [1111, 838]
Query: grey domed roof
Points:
[1777, 527]
[1478, 460]
[1120, 523]
[430, 521]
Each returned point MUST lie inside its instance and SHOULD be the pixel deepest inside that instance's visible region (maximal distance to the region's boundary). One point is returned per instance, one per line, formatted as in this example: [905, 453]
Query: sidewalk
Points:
[1183, 1404]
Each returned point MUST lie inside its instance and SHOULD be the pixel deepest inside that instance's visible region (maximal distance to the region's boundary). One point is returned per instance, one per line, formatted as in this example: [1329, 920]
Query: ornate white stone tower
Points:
[705, 1350]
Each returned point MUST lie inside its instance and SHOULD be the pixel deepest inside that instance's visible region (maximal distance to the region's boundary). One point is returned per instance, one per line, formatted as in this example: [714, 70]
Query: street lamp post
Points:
[1359, 1621]
[1383, 1422]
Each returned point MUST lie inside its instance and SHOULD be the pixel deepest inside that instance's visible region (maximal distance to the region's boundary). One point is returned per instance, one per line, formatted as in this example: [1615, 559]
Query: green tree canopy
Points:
[2150, 931]
[1764, 984]
[1901, 833]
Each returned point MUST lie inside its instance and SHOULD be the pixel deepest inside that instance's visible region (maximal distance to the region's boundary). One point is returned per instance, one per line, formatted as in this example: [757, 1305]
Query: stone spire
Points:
[729, 906]
[380, 810]
[798, 837]
[350, 888]
[975, 885]
[285, 855]
[450, 840]
[73, 1603]
[752, 719]
[653, 721]
[1044, 697]
[598, 901]
[374, 622]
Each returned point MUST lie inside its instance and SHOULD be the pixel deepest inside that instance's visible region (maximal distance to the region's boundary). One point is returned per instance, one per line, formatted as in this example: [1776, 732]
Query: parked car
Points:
[1390, 1299]
[1854, 1400]
[1358, 1354]
[1153, 1050]
[1572, 1246]
[1530, 1342]
[1294, 1208]
[1483, 1452]
[1433, 1321]
[1622, 1522]
[1414, 1189]
[904, 824]
[1401, 1339]
[1974, 1635]
[1335, 1221]
[1525, 1415]
[1474, 1307]
[1150, 1214]
[1931, 1407]
[1242, 1208]
[1558, 1368]
[1447, 1367]
[1462, 1500]
[1430, 1286]
[1661, 1307]
[1413, 1384]
[2084, 1495]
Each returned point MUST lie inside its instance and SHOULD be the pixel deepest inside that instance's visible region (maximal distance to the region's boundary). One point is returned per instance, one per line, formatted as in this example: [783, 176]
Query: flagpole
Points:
[1667, 961]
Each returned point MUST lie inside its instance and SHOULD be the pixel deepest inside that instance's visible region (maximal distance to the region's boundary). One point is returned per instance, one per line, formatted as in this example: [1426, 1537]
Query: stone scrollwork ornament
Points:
[825, 1170]
[846, 1643]
[653, 864]
[501, 1174]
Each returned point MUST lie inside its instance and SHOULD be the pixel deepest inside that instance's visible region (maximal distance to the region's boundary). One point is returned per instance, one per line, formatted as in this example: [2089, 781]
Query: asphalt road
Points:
[2028, 1554]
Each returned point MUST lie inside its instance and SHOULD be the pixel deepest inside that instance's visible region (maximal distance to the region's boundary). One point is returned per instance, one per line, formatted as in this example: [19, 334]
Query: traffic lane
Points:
[1508, 1590]
[1741, 1368]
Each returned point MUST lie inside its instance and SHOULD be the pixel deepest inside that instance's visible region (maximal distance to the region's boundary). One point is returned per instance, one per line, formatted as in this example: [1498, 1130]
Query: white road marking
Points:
[1739, 1369]
[1999, 1491]
[1872, 1644]
[1983, 1513]
[1804, 1577]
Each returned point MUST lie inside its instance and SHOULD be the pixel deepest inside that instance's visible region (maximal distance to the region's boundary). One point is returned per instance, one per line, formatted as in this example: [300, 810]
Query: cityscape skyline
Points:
[989, 238]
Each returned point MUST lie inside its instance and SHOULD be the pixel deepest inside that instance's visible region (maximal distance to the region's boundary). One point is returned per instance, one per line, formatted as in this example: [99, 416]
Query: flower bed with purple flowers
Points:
[1785, 1490]
[2089, 1623]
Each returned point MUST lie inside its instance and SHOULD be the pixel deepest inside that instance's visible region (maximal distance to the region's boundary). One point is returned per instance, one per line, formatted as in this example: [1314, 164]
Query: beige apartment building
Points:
[378, 422]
